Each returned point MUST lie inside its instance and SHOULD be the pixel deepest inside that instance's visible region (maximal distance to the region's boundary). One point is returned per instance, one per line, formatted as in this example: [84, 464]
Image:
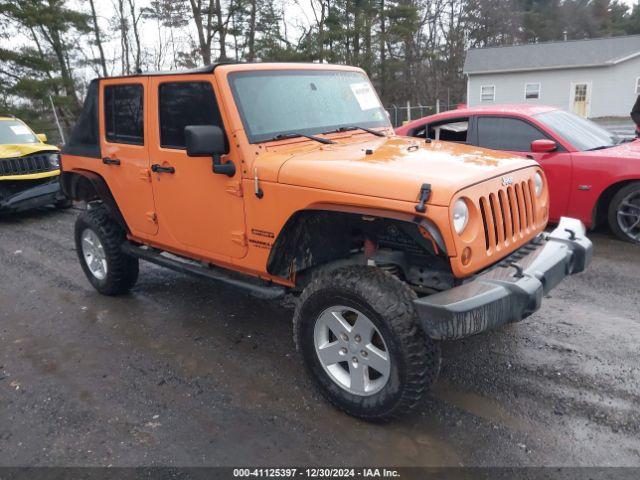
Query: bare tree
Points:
[98, 38]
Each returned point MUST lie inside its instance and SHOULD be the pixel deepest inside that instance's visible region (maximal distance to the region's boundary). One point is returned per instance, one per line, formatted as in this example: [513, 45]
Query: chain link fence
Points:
[401, 114]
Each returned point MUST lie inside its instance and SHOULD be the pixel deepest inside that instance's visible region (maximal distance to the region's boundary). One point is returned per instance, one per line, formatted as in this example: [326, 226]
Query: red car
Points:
[592, 174]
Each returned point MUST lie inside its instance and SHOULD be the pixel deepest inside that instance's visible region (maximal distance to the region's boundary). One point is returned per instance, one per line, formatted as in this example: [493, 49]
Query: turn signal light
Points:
[466, 256]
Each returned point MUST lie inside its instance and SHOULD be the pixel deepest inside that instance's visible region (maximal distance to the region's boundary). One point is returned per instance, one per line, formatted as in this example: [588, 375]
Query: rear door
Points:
[124, 142]
[201, 211]
[515, 135]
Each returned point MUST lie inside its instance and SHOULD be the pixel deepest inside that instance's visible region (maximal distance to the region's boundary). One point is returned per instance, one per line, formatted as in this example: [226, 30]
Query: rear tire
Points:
[99, 239]
[624, 213]
[398, 362]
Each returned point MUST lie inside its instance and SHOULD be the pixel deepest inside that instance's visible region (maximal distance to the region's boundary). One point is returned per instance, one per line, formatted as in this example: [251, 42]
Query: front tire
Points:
[624, 213]
[359, 337]
[99, 239]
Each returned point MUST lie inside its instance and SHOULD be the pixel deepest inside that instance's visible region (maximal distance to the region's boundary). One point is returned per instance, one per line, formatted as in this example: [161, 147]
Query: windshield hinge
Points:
[425, 194]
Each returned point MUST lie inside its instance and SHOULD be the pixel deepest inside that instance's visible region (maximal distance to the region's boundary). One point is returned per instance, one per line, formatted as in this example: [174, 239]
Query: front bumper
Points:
[512, 290]
[33, 197]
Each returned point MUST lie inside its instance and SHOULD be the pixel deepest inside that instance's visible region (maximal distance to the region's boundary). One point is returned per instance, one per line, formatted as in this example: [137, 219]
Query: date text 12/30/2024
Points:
[315, 473]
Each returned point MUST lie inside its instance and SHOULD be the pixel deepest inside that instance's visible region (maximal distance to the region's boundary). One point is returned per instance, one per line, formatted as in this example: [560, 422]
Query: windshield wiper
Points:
[284, 136]
[350, 128]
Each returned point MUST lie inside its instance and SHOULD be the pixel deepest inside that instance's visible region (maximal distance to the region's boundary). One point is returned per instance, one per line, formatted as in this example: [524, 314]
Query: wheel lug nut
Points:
[343, 351]
[345, 337]
[358, 338]
[364, 353]
[355, 360]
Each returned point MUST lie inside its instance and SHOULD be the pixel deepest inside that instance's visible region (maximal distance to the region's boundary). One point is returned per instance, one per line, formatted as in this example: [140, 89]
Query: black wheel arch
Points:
[88, 186]
[316, 237]
[601, 209]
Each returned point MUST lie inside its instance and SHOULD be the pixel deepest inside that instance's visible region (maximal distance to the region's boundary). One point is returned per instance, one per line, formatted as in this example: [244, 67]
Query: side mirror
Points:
[42, 137]
[543, 146]
[209, 141]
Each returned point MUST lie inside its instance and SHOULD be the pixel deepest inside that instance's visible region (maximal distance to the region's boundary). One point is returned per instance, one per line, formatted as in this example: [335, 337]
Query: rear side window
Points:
[507, 134]
[85, 137]
[124, 114]
[182, 104]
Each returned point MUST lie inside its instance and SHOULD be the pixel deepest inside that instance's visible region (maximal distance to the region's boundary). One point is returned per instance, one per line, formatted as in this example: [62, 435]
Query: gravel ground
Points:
[185, 372]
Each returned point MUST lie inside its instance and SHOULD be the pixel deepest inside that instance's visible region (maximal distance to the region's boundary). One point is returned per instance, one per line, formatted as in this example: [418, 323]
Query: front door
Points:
[125, 139]
[199, 212]
[581, 98]
[516, 135]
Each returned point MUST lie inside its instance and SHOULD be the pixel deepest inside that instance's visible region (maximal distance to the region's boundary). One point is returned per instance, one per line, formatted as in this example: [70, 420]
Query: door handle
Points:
[156, 168]
[110, 161]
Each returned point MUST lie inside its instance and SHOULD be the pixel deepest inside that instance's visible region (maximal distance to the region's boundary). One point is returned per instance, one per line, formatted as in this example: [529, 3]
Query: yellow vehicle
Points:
[29, 168]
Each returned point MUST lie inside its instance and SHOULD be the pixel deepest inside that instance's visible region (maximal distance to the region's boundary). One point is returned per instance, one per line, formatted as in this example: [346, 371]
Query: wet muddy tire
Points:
[359, 337]
[624, 213]
[98, 243]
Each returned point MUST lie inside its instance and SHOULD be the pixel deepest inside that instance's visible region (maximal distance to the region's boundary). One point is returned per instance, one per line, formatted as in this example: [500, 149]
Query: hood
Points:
[20, 150]
[395, 168]
[628, 150]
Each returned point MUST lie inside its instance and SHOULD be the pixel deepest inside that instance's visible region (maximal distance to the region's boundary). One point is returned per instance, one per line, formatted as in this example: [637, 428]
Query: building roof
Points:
[599, 52]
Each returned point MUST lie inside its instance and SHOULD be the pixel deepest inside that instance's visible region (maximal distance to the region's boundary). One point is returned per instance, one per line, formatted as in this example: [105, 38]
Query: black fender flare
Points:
[74, 186]
[293, 232]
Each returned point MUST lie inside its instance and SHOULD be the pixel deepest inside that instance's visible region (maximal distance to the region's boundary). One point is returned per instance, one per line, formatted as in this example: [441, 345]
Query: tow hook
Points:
[425, 193]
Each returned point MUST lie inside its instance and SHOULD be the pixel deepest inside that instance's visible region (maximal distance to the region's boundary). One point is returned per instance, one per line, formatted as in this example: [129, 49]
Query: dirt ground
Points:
[185, 372]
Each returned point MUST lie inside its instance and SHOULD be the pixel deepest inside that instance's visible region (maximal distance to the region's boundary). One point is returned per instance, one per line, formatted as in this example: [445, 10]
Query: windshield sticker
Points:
[20, 130]
[365, 95]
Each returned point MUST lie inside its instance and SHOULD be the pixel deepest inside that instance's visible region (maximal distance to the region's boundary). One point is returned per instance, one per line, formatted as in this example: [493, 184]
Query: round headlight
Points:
[54, 160]
[460, 216]
[539, 183]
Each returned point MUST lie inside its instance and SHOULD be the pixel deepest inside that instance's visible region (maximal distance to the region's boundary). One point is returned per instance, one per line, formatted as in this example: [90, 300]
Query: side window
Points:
[450, 131]
[182, 104]
[507, 134]
[124, 114]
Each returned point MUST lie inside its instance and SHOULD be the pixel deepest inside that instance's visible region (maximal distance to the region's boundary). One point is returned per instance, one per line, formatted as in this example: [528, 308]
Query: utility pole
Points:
[55, 115]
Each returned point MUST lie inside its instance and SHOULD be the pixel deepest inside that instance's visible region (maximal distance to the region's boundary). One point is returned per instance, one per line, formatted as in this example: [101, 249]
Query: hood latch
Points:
[425, 194]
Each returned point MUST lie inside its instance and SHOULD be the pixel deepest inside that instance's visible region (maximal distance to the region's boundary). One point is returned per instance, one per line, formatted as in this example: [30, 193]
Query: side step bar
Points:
[193, 268]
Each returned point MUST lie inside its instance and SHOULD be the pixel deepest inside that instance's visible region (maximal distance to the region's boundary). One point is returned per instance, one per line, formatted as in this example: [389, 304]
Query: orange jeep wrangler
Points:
[281, 178]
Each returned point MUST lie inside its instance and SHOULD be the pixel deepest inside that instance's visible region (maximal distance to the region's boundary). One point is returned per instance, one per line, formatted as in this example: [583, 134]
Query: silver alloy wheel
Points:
[629, 215]
[352, 350]
[93, 253]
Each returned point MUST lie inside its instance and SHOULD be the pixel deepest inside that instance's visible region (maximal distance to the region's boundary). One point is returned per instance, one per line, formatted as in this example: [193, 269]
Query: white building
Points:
[593, 78]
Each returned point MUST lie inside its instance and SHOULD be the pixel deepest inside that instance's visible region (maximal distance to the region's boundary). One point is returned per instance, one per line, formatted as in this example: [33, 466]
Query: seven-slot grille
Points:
[26, 165]
[509, 214]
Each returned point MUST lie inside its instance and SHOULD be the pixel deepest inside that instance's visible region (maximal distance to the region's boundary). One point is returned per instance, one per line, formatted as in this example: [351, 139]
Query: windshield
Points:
[14, 132]
[282, 102]
[583, 134]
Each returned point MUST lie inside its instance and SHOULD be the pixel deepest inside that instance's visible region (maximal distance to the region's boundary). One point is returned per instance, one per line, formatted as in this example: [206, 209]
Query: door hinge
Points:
[152, 217]
[145, 174]
[240, 238]
[234, 188]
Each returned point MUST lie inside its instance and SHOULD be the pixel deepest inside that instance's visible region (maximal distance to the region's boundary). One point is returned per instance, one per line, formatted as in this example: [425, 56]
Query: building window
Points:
[487, 93]
[638, 86]
[532, 91]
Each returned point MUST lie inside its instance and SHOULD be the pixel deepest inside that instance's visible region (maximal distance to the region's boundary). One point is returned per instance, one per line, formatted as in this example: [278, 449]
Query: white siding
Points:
[613, 89]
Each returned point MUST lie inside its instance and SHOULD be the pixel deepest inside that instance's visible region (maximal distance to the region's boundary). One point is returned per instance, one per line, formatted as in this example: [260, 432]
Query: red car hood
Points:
[624, 150]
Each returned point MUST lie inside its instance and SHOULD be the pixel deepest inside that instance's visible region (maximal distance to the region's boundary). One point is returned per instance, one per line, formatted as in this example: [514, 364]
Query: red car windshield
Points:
[583, 134]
